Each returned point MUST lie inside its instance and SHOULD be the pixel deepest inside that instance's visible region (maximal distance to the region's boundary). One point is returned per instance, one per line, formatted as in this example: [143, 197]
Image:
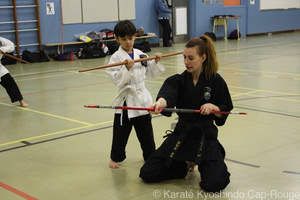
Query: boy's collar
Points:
[123, 50]
[127, 51]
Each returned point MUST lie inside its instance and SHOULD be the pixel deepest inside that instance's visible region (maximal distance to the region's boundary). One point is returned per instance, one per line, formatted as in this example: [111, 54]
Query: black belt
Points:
[200, 149]
[181, 138]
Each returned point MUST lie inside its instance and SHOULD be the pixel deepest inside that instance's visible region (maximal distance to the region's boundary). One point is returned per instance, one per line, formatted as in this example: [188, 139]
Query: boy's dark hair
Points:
[124, 28]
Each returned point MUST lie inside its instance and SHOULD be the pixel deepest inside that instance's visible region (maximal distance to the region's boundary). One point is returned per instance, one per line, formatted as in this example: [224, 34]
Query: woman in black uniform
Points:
[195, 136]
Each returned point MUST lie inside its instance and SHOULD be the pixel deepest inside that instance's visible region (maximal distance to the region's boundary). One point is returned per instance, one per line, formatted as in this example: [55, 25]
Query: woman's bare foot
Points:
[113, 164]
[190, 166]
[23, 104]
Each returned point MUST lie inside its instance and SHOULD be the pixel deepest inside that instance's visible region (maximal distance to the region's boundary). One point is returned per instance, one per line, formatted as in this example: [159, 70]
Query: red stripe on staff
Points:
[18, 192]
[165, 109]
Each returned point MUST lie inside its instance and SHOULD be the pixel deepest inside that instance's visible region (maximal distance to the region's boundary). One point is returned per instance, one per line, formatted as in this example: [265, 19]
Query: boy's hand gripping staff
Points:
[125, 62]
[175, 110]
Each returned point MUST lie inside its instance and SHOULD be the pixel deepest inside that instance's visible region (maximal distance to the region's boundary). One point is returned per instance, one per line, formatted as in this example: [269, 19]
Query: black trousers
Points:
[167, 30]
[11, 87]
[214, 174]
[144, 132]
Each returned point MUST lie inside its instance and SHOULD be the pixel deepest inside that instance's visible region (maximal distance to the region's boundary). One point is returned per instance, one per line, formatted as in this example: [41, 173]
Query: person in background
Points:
[163, 13]
[130, 79]
[6, 80]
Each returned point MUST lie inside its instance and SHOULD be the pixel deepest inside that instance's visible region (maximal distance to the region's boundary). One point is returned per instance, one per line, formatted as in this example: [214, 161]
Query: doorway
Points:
[179, 21]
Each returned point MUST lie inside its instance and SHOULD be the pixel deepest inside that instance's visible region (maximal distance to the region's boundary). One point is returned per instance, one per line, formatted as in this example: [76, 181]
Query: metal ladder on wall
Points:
[16, 23]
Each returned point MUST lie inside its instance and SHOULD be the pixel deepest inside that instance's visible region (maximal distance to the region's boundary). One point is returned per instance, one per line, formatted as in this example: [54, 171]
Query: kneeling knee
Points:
[214, 185]
[148, 176]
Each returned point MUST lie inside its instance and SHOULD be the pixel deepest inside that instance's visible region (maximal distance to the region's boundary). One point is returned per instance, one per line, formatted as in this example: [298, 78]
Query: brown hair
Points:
[124, 28]
[206, 46]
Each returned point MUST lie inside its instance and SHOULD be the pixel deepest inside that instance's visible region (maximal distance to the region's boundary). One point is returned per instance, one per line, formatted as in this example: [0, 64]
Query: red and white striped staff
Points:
[176, 110]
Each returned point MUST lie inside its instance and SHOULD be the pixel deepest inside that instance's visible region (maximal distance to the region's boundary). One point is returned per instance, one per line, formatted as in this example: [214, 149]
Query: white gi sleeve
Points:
[154, 69]
[119, 74]
[7, 46]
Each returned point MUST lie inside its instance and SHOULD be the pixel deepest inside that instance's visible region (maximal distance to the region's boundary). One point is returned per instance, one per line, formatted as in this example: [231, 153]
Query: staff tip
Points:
[91, 106]
[238, 113]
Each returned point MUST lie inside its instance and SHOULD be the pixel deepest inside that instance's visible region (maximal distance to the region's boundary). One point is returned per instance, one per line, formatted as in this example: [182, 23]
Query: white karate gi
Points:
[6, 46]
[131, 83]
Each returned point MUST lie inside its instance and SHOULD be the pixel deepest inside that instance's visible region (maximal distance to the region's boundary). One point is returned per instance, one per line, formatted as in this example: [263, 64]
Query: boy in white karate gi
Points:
[129, 79]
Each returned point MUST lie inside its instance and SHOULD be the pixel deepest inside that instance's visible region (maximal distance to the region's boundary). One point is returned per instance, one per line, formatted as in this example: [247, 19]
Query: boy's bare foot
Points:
[23, 104]
[113, 164]
[190, 166]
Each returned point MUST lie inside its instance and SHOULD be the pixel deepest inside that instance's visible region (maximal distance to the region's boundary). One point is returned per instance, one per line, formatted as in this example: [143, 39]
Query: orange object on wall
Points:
[231, 2]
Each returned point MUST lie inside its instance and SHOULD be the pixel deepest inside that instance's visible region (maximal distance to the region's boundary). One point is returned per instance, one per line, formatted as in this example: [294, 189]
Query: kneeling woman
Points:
[195, 136]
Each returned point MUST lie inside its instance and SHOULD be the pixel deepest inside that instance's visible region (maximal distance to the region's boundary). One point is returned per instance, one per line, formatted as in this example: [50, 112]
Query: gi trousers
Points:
[214, 174]
[11, 87]
[167, 30]
[144, 132]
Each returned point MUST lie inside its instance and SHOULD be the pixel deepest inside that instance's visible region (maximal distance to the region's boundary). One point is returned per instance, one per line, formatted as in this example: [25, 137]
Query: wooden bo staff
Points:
[18, 59]
[125, 62]
[176, 110]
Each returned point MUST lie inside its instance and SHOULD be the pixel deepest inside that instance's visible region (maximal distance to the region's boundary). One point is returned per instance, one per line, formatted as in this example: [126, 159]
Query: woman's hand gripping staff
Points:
[159, 106]
[208, 108]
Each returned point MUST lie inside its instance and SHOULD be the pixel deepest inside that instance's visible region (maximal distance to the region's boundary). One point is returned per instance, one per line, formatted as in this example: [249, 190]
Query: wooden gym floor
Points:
[58, 150]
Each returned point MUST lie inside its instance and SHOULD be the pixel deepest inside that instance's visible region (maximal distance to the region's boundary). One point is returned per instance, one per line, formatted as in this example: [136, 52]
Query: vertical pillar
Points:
[37, 15]
[17, 43]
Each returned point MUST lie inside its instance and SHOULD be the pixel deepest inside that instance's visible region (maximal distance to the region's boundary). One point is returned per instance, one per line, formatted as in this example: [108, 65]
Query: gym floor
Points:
[58, 150]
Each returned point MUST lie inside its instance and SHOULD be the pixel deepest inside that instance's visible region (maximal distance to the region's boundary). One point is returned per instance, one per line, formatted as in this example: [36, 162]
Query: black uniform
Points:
[6, 80]
[144, 131]
[195, 136]
[11, 87]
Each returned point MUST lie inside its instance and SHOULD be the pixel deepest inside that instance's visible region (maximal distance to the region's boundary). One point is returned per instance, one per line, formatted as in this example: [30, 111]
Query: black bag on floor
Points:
[34, 57]
[64, 57]
[143, 46]
[7, 60]
[234, 35]
[112, 47]
[91, 50]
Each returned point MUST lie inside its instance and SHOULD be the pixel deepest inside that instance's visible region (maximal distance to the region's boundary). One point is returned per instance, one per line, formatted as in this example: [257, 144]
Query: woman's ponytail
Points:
[210, 65]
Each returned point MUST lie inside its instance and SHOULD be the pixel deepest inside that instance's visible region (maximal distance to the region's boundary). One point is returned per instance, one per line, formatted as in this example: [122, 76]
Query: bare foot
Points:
[23, 104]
[113, 164]
[190, 166]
